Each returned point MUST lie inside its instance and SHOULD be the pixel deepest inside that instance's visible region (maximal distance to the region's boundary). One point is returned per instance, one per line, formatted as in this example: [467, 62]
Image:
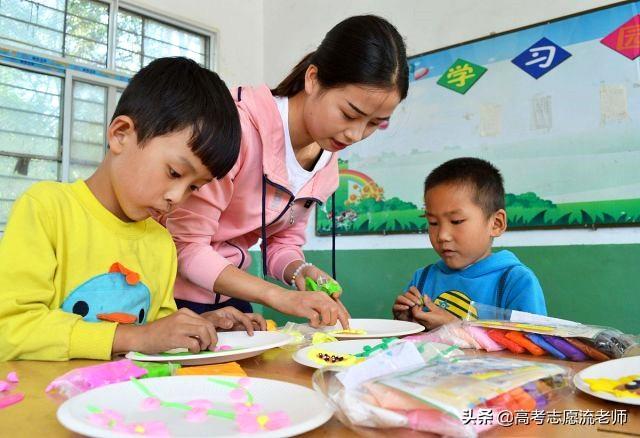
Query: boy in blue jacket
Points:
[464, 203]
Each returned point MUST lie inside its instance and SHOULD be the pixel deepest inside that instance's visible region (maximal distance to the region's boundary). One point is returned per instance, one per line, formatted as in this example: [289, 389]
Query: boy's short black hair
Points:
[483, 177]
[172, 94]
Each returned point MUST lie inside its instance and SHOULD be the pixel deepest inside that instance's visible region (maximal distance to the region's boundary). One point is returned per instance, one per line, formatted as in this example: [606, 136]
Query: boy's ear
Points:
[499, 225]
[121, 133]
[310, 79]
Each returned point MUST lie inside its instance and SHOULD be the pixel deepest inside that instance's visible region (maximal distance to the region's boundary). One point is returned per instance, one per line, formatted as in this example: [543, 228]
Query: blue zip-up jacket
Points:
[500, 280]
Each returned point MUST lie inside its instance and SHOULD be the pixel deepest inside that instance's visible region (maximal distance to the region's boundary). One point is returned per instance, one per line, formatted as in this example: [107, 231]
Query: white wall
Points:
[293, 28]
[239, 26]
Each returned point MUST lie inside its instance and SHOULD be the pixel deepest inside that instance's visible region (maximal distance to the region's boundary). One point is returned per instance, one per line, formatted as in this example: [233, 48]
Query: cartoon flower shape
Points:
[198, 412]
[149, 428]
[238, 394]
[247, 408]
[106, 418]
[251, 423]
[150, 404]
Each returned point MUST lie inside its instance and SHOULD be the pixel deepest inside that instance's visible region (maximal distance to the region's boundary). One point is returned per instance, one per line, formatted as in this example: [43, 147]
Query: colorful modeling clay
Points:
[4, 386]
[83, 379]
[11, 399]
[499, 337]
[330, 287]
[155, 369]
[481, 337]
[221, 369]
[12, 377]
[331, 358]
[321, 338]
[627, 386]
[247, 415]
[540, 342]
[587, 349]
[569, 350]
[349, 332]
[367, 350]
[271, 325]
[616, 344]
[521, 340]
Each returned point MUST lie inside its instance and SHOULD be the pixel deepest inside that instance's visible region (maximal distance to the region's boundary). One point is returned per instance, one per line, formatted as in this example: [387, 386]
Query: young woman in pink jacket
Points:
[335, 97]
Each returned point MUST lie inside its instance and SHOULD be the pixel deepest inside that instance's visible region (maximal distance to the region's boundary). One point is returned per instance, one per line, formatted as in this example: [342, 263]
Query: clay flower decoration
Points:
[199, 410]
[114, 420]
[251, 423]
[249, 415]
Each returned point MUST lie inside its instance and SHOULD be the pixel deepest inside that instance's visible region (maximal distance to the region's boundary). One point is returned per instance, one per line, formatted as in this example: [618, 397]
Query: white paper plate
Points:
[243, 346]
[356, 346]
[378, 328]
[305, 408]
[611, 369]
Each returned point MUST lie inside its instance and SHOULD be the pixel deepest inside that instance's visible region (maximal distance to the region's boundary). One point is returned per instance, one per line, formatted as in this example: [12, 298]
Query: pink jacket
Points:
[217, 224]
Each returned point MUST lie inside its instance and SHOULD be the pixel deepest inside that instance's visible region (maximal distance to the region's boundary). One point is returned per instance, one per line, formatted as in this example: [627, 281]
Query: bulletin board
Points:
[555, 106]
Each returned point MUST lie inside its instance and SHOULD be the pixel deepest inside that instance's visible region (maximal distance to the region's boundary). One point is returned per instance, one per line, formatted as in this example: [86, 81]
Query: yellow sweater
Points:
[55, 257]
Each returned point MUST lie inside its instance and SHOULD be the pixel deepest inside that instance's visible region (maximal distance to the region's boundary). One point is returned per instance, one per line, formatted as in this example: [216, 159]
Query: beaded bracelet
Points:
[297, 272]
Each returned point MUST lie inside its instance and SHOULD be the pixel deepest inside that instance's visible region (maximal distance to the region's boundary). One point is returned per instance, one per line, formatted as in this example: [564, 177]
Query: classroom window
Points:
[30, 132]
[53, 120]
[74, 29]
[140, 40]
[88, 127]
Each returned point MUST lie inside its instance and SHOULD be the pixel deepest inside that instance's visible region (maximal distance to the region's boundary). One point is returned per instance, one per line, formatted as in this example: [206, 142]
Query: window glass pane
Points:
[88, 124]
[87, 32]
[33, 24]
[140, 40]
[163, 40]
[80, 171]
[30, 112]
[128, 53]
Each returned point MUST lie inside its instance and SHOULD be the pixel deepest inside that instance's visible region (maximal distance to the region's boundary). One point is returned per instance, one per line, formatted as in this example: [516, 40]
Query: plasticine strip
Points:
[588, 350]
[223, 369]
[520, 339]
[540, 342]
[11, 399]
[532, 389]
[499, 337]
[572, 352]
[481, 337]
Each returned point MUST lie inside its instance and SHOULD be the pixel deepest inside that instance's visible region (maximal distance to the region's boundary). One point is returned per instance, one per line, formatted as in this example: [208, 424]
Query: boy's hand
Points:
[404, 303]
[435, 317]
[319, 308]
[230, 318]
[182, 329]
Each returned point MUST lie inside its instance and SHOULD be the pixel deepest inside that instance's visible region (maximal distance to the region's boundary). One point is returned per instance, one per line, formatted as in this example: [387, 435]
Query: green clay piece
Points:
[158, 369]
[368, 349]
[329, 287]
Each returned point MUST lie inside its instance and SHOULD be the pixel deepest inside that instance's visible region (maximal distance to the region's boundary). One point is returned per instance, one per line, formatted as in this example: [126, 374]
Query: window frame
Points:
[72, 70]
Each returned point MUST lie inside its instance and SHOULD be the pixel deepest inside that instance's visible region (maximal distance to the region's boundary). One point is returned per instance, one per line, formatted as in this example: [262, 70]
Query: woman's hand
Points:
[319, 276]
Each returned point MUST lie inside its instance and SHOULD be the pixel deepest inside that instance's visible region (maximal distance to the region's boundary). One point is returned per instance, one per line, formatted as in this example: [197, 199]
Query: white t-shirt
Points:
[298, 175]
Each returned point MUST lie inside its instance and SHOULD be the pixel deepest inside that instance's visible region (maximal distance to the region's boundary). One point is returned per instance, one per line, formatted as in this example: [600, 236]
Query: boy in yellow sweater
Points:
[85, 272]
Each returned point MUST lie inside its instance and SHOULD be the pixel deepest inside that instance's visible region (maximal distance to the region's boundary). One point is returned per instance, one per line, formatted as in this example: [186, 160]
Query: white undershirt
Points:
[298, 175]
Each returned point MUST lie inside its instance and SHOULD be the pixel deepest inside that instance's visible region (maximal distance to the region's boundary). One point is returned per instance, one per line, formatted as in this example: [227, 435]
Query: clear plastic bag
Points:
[83, 379]
[526, 333]
[443, 395]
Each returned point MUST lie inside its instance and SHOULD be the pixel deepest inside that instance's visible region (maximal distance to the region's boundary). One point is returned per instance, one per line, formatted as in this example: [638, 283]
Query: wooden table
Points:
[35, 415]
